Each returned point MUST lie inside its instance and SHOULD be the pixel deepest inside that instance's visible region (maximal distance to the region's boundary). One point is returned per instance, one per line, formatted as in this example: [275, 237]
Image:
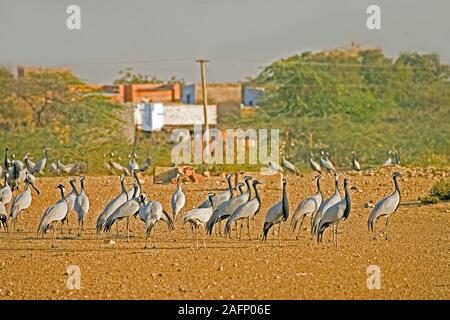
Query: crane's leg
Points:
[54, 235]
[203, 238]
[387, 220]
[146, 239]
[128, 229]
[67, 221]
[300, 228]
[248, 228]
[240, 230]
[337, 225]
[79, 228]
[220, 228]
[375, 229]
[279, 235]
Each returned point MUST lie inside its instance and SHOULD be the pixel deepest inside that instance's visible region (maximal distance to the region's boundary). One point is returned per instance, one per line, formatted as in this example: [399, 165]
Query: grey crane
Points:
[314, 165]
[385, 207]
[198, 217]
[116, 166]
[245, 211]
[6, 192]
[53, 215]
[126, 210]
[338, 212]
[290, 166]
[54, 169]
[41, 163]
[325, 162]
[333, 199]
[22, 201]
[273, 167]
[112, 205]
[327, 203]
[66, 168]
[178, 199]
[81, 206]
[17, 174]
[70, 199]
[276, 214]
[307, 207]
[388, 161]
[226, 209]
[396, 160]
[3, 217]
[221, 197]
[134, 173]
[151, 213]
[28, 163]
[355, 163]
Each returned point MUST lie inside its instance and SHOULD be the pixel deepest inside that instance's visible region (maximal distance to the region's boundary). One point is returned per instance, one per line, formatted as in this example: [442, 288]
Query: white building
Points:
[151, 117]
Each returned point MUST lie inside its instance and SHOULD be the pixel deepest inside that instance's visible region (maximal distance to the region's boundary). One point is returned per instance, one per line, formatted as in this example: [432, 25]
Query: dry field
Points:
[414, 262]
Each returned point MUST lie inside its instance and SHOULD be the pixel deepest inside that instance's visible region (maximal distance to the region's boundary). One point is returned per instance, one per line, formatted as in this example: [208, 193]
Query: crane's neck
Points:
[211, 199]
[249, 188]
[135, 192]
[82, 185]
[230, 188]
[6, 159]
[62, 194]
[348, 204]
[257, 194]
[397, 188]
[178, 183]
[74, 187]
[318, 186]
[336, 186]
[137, 181]
[285, 203]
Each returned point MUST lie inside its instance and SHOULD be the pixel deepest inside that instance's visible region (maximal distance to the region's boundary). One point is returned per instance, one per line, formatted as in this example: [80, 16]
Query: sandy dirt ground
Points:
[414, 262]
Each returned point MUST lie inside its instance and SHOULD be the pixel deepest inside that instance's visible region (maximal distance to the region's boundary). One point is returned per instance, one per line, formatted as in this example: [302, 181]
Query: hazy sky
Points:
[238, 36]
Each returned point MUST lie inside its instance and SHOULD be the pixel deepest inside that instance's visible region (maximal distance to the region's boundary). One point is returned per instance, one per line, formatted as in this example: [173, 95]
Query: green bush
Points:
[441, 190]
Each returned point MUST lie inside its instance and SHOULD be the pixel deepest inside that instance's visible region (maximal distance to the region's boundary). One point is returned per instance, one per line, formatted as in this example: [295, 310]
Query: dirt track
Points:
[414, 261]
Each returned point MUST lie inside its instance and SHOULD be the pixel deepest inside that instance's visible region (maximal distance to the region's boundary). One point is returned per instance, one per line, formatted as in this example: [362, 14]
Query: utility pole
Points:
[205, 97]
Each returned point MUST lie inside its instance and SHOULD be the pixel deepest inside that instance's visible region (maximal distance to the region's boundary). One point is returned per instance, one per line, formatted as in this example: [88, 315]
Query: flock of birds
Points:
[227, 207]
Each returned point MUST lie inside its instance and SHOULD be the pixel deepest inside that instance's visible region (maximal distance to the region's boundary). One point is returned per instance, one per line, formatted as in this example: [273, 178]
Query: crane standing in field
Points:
[151, 213]
[81, 206]
[126, 210]
[221, 197]
[290, 167]
[307, 207]
[3, 217]
[314, 165]
[6, 192]
[245, 211]
[385, 207]
[112, 205]
[276, 214]
[355, 163]
[41, 164]
[54, 214]
[22, 201]
[178, 199]
[334, 215]
[335, 197]
[198, 217]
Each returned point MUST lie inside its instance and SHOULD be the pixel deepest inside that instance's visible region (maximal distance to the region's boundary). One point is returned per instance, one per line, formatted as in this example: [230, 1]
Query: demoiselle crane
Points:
[245, 211]
[218, 199]
[6, 192]
[276, 214]
[41, 163]
[198, 217]
[3, 217]
[388, 161]
[178, 199]
[338, 212]
[151, 213]
[335, 198]
[290, 166]
[385, 207]
[307, 207]
[81, 206]
[226, 209]
[70, 198]
[355, 163]
[314, 165]
[112, 205]
[54, 214]
[22, 202]
[126, 210]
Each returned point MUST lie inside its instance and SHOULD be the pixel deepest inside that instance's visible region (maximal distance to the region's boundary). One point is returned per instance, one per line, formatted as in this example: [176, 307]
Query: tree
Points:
[40, 90]
[128, 76]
